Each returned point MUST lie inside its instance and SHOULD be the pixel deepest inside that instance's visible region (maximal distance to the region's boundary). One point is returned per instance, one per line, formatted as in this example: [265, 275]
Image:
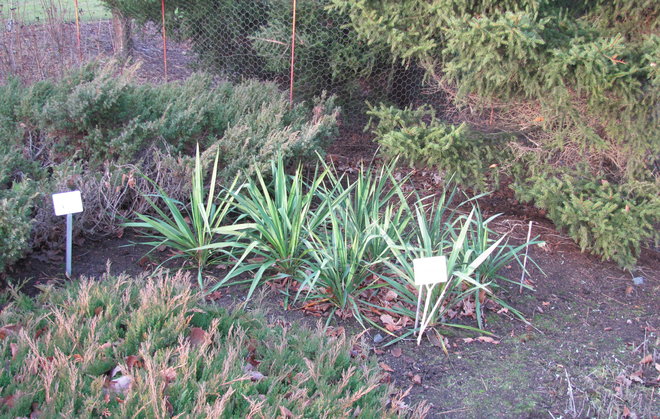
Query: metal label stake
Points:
[68, 203]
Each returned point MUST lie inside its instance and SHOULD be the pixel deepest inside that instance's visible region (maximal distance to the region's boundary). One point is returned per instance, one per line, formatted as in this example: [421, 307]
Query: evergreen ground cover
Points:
[150, 347]
[98, 131]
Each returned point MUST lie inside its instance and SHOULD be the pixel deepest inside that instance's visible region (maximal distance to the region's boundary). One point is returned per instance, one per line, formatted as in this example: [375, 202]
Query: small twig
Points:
[462, 409]
[571, 398]
[244, 378]
[274, 41]
[524, 268]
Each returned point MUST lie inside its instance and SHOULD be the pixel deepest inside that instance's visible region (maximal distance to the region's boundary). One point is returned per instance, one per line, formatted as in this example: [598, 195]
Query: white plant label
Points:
[67, 203]
[431, 270]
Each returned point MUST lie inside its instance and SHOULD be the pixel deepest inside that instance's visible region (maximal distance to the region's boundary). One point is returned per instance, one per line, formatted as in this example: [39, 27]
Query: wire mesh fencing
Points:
[302, 45]
[38, 39]
[46, 39]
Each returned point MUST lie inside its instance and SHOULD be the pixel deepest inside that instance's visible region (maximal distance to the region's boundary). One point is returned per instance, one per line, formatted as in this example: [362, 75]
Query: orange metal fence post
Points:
[162, 9]
[75, 2]
[293, 53]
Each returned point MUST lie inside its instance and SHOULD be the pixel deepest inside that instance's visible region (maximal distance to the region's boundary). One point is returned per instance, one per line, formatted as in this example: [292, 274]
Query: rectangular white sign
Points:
[67, 203]
[430, 270]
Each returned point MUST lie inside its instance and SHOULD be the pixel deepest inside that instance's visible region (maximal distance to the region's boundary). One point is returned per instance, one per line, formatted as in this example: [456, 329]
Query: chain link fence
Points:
[302, 45]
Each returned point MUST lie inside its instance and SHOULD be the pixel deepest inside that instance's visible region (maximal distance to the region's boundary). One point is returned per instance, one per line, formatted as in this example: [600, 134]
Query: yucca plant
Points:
[347, 249]
[473, 259]
[340, 268]
[478, 241]
[374, 201]
[282, 215]
[200, 230]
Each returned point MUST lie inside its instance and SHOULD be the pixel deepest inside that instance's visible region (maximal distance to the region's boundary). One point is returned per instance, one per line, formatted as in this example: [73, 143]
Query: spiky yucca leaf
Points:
[197, 231]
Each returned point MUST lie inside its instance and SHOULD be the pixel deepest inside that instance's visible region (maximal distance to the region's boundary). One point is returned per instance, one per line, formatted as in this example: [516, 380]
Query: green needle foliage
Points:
[586, 70]
[178, 357]
[574, 84]
[193, 230]
[420, 139]
[613, 221]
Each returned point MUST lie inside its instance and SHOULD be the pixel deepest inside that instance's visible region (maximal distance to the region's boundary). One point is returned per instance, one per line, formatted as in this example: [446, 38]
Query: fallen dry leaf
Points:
[335, 331]
[488, 339]
[637, 376]
[14, 350]
[485, 339]
[416, 379]
[482, 296]
[435, 339]
[396, 352]
[215, 295]
[389, 323]
[9, 330]
[197, 336]
[133, 361]
[252, 354]
[40, 332]
[98, 310]
[468, 308]
[391, 295]
[648, 359]
[385, 367]
[8, 401]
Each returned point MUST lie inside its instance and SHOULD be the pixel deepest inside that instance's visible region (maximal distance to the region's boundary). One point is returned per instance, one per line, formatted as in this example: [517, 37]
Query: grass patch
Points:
[36, 11]
[150, 347]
